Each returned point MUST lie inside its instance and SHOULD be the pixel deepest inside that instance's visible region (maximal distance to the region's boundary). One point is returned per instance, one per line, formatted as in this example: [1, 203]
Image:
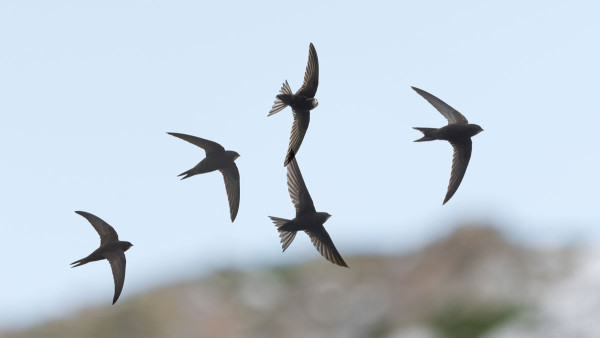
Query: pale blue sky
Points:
[88, 91]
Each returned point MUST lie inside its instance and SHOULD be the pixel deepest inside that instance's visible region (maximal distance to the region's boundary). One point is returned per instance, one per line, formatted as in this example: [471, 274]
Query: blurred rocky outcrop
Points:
[470, 284]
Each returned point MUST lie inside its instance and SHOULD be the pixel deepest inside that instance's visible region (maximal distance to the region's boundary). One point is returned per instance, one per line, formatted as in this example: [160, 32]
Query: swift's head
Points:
[314, 103]
[232, 154]
[323, 216]
[475, 129]
[126, 245]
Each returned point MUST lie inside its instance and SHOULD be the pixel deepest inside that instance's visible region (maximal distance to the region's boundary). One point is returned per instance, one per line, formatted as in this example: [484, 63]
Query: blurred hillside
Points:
[473, 283]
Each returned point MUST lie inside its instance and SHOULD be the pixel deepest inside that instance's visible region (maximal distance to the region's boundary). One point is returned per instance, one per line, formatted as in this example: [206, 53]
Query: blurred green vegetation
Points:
[470, 321]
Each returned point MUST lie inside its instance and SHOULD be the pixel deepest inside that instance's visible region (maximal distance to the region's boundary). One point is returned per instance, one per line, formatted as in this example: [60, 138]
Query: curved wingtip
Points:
[338, 260]
[451, 191]
[82, 213]
[178, 135]
[449, 195]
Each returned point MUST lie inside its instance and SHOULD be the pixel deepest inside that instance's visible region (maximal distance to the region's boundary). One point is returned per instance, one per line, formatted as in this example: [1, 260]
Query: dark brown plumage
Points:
[110, 249]
[301, 103]
[458, 132]
[307, 218]
[217, 158]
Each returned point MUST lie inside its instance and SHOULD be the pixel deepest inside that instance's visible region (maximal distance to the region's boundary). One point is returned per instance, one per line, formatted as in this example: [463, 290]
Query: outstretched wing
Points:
[106, 232]
[117, 261]
[299, 128]
[321, 240]
[460, 161]
[208, 146]
[298, 191]
[451, 114]
[231, 175]
[311, 76]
